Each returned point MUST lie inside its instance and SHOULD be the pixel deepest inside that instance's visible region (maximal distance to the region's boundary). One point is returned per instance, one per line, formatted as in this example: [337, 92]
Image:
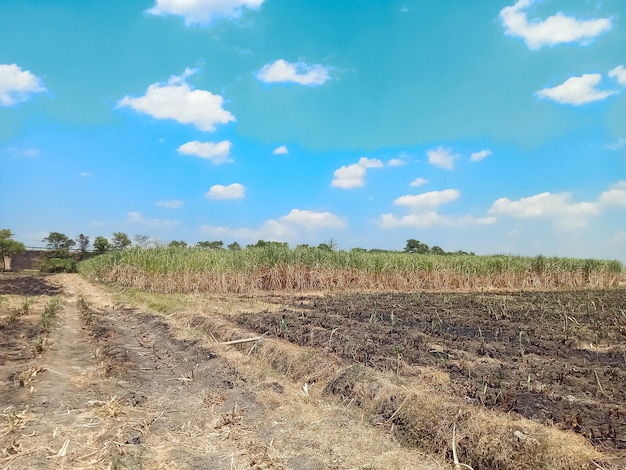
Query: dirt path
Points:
[113, 387]
[123, 392]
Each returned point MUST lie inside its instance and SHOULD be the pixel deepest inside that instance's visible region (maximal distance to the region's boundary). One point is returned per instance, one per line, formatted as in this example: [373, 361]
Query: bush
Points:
[58, 265]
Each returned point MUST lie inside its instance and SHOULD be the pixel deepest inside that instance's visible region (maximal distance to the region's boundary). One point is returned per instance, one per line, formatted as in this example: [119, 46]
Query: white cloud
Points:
[17, 85]
[615, 196]
[619, 74]
[619, 144]
[177, 100]
[23, 153]
[418, 182]
[352, 176]
[426, 201]
[171, 204]
[576, 90]
[281, 71]
[202, 12]
[297, 224]
[216, 152]
[138, 218]
[396, 162]
[554, 30]
[311, 220]
[478, 156]
[282, 150]
[442, 157]
[423, 211]
[566, 214]
[85, 174]
[232, 191]
[430, 219]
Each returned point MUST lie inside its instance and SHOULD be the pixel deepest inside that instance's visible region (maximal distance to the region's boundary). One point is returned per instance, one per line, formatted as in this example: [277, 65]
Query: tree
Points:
[101, 245]
[234, 246]
[120, 241]
[177, 244]
[437, 250]
[9, 247]
[83, 243]
[216, 245]
[59, 258]
[142, 241]
[416, 246]
[58, 241]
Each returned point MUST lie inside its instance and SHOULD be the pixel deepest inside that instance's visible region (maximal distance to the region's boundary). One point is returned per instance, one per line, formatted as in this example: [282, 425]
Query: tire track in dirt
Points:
[125, 393]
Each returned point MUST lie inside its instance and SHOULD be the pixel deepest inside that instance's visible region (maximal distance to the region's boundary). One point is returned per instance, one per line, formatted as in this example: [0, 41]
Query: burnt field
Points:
[558, 357]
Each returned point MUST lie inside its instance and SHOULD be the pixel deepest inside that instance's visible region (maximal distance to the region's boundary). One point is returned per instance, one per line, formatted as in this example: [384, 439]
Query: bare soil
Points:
[558, 358]
[109, 386]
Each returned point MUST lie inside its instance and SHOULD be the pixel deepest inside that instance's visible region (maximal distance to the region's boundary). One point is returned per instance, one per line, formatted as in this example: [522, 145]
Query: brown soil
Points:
[558, 358]
[110, 386]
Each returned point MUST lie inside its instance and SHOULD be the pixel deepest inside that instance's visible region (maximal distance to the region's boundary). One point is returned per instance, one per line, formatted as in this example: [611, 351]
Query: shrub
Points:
[58, 265]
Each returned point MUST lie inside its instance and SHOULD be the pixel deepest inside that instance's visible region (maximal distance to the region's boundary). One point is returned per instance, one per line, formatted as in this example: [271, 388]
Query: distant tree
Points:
[177, 244]
[59, 258]
[358, 250]
[120, 241]
[234, 246]
[9, 247]
[263, 244]
[303, 246]
[437, 250]
[142, 241]
[56, 241]
[83, 243]
[416, 246]
[324, 247]
[101, 245]
[216, 245]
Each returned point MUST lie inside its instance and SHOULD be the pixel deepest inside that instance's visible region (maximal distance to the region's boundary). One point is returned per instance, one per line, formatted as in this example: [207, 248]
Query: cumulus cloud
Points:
[619, 74]
[478, 156]
[216, 152]
[312, 220]
[442, 157]
[423, 211]
[232, 191]
[282, 150]
[615, 195]
[17, 85]
[171, 204]
[203, 12]
[281, 71]
[353, 176]
[430, 219]
[396, 162]
[577, 90]
[559, 207]
[418, 182]
[554, 30]
[177, 100]
[138, 218]
[294, 225]
[426, 201]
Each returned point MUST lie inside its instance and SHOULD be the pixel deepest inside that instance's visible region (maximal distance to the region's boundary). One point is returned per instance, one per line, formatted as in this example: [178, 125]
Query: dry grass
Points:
[416, 410]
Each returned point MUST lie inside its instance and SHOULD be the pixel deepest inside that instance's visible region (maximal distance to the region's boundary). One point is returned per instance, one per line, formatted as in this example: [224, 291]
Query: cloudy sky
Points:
[494, 126]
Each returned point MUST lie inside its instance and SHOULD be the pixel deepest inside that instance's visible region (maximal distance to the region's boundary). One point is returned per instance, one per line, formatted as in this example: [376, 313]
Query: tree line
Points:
[64, 252]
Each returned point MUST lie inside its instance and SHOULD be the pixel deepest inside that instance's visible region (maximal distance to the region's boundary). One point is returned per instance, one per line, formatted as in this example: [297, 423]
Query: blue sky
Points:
[490, 126]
